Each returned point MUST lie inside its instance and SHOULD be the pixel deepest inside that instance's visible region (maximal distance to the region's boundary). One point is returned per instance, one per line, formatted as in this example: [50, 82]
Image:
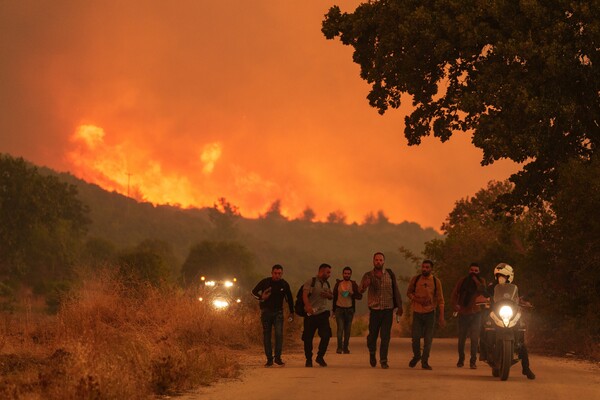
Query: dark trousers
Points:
[422, 327]
[316, 323]
[343, 319]
[524, 356]
[380, 324]
[468, 325]
[269, 320]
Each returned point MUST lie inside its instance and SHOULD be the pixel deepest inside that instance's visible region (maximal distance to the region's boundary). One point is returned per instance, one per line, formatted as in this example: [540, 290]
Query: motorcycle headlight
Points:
[506, 313]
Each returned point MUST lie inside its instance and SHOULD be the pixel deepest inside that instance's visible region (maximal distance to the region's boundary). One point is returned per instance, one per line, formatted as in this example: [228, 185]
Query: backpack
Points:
[299, 306]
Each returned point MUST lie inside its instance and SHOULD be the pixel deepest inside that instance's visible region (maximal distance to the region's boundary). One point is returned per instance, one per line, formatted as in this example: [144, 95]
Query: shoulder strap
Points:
[414, 289]
[314, 281]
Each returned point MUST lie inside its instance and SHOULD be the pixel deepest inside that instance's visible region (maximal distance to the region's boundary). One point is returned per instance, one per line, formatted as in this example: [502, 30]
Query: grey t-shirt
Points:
[319, 304]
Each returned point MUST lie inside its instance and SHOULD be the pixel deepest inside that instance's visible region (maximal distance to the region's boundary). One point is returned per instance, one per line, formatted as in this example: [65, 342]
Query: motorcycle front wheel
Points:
[507, 356]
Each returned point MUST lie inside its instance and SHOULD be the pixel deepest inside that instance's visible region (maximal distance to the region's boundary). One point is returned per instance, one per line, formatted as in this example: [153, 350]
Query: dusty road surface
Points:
[349, 376]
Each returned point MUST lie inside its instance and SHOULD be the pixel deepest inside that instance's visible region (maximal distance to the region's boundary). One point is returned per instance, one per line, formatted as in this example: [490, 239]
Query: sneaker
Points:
[321, 361]
[414, 362]
[339, 351]
[426, 366]
[279, 362]
[528, 373]
[472, 365]
[384, 365]
[346, 351]
[269, 363]
[372, 360]
[460, 364]
[308, 364]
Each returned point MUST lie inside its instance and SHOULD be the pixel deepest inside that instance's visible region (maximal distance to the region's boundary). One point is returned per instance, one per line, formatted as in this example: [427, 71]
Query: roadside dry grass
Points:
[109, 341]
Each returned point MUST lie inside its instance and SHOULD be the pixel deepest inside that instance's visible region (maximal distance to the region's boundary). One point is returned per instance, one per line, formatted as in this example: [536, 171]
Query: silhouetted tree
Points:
[224, 217]
[308, 215]
[274, 211]
[336, 217]
[523, 77]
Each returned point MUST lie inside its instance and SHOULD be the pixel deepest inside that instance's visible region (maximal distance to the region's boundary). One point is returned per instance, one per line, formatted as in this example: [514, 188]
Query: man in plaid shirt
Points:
[383, 297]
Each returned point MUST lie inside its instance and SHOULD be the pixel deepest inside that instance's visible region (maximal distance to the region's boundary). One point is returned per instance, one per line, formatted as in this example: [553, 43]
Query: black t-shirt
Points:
[280, 291]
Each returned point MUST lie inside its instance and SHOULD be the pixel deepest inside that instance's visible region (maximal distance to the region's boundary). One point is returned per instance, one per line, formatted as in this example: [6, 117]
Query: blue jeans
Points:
[380, 324]
[422, 327]
[343, 319]
[269, 319]
[468, 325]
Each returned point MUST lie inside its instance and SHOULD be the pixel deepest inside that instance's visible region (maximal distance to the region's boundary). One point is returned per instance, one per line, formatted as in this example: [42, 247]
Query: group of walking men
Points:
[424, 292]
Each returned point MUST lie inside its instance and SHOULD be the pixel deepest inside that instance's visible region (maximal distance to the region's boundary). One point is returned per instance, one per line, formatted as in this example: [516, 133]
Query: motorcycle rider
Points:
[504, 273]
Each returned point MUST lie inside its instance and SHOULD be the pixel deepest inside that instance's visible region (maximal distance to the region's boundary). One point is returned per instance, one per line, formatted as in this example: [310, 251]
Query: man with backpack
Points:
[316, 296]
[425, 294]
[463, 298]
[382, 299]
[271, 292]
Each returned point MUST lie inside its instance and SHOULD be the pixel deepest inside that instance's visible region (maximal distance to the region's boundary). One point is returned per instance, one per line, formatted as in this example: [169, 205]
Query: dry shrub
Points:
[111, 341]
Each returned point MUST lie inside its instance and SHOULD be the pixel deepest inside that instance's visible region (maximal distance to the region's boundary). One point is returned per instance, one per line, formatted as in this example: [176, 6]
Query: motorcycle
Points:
[503, 330]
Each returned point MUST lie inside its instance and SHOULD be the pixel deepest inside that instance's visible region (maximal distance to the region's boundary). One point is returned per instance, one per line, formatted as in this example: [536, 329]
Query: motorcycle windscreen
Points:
[506, 292]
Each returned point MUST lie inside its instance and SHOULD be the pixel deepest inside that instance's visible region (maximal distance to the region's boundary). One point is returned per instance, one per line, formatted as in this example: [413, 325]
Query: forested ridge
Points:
[114, 228]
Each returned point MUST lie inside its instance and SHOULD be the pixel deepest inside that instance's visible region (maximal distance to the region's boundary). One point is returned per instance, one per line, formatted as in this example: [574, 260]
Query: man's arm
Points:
[455, 294]
[289, 297]
[356, 294]
[398, 296]
[410, 292]
[440, 302]
[256, 292]
[365, 283]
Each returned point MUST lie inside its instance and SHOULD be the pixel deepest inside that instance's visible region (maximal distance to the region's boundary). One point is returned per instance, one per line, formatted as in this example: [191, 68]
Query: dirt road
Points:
[349, 376]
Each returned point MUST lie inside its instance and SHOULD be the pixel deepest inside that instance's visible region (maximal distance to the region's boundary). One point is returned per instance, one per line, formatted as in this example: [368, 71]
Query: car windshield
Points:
[506, 291]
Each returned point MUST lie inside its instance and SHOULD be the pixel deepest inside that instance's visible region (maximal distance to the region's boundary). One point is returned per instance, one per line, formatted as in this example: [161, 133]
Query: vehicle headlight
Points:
[228, 284]
[506, 313]
[210, 283]
[220, 303]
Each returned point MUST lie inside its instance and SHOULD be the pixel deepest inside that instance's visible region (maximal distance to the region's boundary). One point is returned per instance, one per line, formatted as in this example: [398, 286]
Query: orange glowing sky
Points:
[192, 100]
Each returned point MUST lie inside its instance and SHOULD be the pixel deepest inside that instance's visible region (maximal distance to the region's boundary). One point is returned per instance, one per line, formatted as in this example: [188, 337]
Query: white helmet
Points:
[506, 270]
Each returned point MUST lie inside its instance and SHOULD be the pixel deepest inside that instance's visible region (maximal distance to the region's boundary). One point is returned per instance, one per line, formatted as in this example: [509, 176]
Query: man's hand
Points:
[309, 310]
[327, 294]
[399, 312]
[442, 322]
[266, 294]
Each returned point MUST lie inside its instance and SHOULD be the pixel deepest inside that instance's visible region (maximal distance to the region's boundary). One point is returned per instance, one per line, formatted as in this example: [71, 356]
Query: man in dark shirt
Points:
[464, 300]
[271, 292]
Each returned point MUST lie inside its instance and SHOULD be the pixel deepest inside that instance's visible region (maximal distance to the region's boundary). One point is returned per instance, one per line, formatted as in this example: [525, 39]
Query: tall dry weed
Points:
[114, 341]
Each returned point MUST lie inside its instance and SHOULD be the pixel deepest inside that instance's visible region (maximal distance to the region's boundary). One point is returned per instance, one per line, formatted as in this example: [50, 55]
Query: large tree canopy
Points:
[522, 76]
